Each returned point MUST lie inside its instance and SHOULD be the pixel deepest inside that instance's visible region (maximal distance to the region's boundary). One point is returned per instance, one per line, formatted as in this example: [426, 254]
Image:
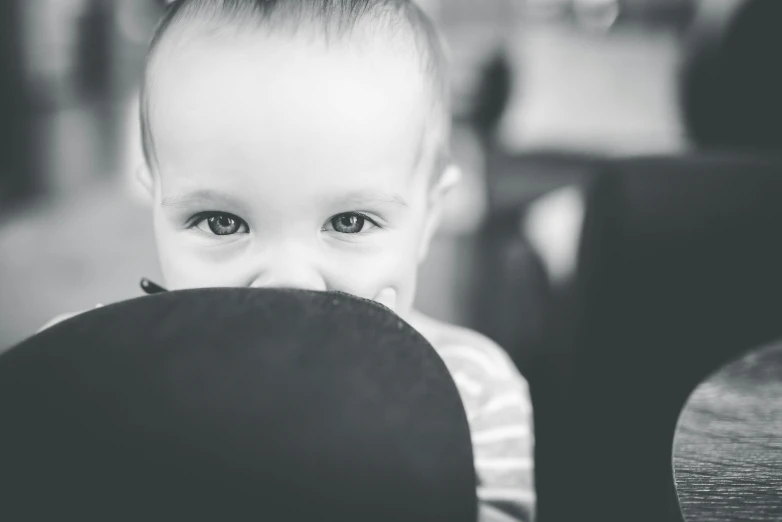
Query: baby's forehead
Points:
[365, 38]
[207, 85]
[393, 42]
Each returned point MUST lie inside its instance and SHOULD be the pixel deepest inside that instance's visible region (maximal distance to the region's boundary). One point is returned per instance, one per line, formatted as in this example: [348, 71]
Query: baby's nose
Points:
[289, 272]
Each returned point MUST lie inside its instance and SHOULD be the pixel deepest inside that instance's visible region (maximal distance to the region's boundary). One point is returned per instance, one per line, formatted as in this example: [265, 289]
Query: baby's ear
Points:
[145, 179]
[449, 178]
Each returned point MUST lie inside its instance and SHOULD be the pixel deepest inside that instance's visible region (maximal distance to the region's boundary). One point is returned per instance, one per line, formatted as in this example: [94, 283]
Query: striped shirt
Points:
[496, 399]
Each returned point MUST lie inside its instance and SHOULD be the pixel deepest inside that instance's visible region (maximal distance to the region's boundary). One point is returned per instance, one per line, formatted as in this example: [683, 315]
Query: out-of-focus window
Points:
[589, 75]
[599, 76]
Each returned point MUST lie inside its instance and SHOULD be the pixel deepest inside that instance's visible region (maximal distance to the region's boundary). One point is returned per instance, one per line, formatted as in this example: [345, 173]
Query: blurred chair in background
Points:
[69, 67]
[19, 176]
[677, 270]
[493, 94]
[479, 37]
[680, 269]
[524, 290]
[731, 89]
[69, 141]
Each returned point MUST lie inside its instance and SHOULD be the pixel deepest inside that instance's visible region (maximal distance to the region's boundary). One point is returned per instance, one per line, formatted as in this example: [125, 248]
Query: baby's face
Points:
[284, 163]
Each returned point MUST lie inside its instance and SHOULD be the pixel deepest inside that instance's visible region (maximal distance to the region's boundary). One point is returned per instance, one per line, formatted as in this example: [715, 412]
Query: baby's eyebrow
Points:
[370, 197]
[205, 197]
[200, 198]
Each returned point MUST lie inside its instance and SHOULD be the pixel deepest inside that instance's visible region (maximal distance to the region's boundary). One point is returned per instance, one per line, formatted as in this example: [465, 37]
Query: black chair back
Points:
[233, 404]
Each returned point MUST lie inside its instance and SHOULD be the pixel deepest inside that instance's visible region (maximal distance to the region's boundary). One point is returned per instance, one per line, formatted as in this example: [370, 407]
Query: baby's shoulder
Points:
[464, 347]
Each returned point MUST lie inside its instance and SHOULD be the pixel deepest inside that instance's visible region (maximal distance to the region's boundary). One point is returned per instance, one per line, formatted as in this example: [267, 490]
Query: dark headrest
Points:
[731, 89]
[233, 404]
[688, 250]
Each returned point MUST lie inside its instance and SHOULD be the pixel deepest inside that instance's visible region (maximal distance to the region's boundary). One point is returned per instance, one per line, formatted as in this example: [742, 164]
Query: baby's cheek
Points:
[186, 267]
[370, 275]
[181, 272]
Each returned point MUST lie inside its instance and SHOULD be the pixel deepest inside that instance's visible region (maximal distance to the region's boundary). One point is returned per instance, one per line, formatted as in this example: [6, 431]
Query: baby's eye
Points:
[350, 223]
[220, 224]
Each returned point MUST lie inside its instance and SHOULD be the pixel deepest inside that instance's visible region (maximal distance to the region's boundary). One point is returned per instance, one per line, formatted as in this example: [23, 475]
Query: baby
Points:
[304, 143]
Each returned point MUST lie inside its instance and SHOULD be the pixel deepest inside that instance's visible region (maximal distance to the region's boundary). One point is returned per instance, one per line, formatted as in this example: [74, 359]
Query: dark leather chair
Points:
[730, 84]
[233, 404]
[680, 269]
[521, 305]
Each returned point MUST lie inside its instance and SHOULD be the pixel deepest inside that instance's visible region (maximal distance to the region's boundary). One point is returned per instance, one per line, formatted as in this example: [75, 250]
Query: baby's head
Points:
[296, 143]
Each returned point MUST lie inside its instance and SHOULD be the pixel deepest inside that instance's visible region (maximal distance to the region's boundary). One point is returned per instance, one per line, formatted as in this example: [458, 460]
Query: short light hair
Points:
[328, 19]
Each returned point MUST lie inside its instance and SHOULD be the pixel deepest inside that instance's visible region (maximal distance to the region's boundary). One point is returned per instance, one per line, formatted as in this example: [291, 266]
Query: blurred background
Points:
[659, 120]
[580, 78]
